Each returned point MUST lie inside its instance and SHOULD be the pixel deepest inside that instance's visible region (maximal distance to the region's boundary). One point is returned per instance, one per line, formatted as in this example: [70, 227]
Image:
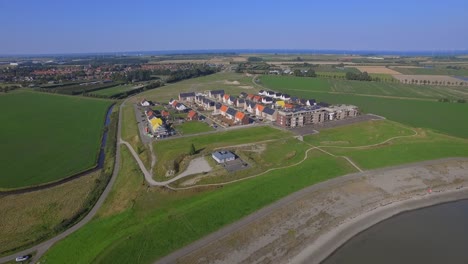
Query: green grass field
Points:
[115, 90]
[432, 71]
[396, 105]
[193, 127]
[174, 151]
[387, 89]
[47, 137]
[425, 145]
[135, 218]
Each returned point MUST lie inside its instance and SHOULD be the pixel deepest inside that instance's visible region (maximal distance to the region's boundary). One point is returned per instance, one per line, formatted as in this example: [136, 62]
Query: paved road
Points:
[41, 248]
[172, 258]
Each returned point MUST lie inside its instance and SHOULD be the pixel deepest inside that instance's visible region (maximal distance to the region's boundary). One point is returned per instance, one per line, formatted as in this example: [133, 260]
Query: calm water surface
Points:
[437, 234]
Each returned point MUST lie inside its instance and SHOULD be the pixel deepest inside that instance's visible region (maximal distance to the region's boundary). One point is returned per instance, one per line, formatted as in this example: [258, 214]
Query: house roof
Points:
[224, 108]
[174, 103]
[288, 106]
[267, 99]
[260, 107]
[231, 111]
[269, 111]
[213, 92]
[280, 103]
[164, 113]
[232, 98]
[241, 101]
[218, 105]
[222, 155]
[191, 114]
[191, 94]
[240, 115]
[226, 96]
[250, 96]
[257, 97]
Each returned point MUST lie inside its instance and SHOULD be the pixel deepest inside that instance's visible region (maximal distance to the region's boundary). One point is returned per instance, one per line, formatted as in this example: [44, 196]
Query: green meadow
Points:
[47, 137]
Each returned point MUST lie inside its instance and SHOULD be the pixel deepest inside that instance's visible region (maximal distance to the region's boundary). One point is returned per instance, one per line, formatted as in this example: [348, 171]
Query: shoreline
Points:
[328, 243]
[309, 225]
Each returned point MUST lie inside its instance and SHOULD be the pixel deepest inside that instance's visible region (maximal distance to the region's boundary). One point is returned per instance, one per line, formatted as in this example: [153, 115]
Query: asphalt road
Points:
[41, 248]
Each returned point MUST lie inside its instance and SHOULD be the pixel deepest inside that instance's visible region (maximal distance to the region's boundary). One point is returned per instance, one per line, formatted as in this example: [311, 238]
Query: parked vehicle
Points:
[22, 258]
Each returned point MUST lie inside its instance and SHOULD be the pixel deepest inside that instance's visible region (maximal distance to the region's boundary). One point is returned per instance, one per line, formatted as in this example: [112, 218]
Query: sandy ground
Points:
[430, 78]
[308, 225]
[376, 69]
[197, 165]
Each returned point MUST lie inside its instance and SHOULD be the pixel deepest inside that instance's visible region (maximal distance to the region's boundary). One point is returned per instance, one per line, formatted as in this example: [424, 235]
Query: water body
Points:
[102, 152]
[436, 234]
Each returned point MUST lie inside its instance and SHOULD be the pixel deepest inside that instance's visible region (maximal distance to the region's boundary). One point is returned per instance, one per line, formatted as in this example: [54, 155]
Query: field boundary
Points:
[95, 168]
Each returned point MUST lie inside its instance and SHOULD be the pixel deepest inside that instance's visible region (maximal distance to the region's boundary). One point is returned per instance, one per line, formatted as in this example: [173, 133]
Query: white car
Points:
[22, 258]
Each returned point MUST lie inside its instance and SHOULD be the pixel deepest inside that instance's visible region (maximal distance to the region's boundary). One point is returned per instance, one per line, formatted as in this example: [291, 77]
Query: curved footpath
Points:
[308, 225]
[41, 248]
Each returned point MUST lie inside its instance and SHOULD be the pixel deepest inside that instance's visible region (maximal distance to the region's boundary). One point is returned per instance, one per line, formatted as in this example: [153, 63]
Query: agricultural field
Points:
[406, 104]
[193, 127]
[26, 219]
[75, 89]
[430, 79]
[295, 85]
[438, 70]
[376, 69]
[49, 137]
[109, 92]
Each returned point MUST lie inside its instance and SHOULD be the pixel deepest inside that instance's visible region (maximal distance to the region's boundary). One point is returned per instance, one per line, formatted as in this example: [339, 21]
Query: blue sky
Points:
[47, 26]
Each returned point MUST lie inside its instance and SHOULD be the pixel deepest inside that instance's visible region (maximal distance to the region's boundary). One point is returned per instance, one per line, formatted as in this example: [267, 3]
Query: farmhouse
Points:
[187, 96]
[223, 156]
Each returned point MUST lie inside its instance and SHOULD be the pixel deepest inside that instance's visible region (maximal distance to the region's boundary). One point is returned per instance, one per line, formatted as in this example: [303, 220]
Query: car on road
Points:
[22, 258]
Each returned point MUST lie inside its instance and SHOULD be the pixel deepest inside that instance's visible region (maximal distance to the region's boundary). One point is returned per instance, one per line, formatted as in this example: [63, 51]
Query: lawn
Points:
[133, 234]
[193, 127]
[48, 137]
[116, 90]
[426, 145]
[172, 152]
[442, 117]
[359, 134]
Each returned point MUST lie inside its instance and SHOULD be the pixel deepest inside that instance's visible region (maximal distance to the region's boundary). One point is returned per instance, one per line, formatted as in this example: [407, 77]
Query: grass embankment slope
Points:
[152, 223]
[28, 218]
[140, 224]
[398, 105]
[48, 137]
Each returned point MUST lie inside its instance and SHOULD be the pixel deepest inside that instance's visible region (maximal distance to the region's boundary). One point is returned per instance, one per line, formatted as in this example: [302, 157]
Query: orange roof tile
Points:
[224, 108]
[240, 115]
[288, 106]
[226, 96]
[191, 114]
[260, 107]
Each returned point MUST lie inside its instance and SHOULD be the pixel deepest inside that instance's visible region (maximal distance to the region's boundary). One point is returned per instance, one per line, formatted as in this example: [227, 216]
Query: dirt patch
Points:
[376, 69]
[231, 82]
[246, 87]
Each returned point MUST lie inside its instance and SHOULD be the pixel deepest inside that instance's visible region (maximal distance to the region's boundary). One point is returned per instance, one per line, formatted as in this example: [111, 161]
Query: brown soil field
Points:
[430, 78]
[376, 69]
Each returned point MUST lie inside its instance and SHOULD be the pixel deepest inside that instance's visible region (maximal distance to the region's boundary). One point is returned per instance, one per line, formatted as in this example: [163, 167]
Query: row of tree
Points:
[6, 89]
[196, 71]
[308, 73]
[363, 76]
